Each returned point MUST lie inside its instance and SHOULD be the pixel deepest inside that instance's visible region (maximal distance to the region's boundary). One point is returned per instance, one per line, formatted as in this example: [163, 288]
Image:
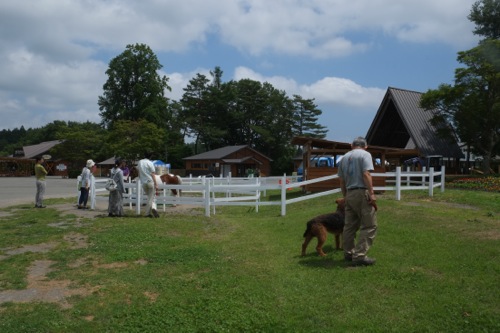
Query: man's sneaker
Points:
[347, 257]
[364, 262]
[155, 213]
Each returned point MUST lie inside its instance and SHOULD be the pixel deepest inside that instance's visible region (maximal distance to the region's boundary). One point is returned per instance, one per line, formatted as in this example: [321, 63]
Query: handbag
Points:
[111, 185]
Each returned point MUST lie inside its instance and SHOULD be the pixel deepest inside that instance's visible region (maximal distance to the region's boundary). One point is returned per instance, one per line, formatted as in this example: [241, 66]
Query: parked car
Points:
[318, 162]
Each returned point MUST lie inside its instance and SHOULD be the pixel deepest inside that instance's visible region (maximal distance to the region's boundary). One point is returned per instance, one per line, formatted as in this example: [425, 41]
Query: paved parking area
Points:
[22, 190]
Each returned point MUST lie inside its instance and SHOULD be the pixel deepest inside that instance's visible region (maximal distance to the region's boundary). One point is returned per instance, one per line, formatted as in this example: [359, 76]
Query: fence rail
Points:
[209, 193]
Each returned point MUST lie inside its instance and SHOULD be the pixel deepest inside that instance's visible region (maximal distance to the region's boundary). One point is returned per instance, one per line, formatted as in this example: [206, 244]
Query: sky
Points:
[344, 54]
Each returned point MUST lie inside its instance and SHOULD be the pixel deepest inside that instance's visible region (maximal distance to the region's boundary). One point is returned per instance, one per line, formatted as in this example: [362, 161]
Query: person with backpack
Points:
[115, 204]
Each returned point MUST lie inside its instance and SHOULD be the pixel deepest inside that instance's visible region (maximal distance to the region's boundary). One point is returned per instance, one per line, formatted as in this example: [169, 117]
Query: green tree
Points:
[205, 110]
[81, 141]
[134, 89]
[195, 111]
[486, 15]
[176, 149]
[472, 105]
[250, 104]
[306, 115]
[278, 125]
[11, 139]
[246, 112]
[127, 139]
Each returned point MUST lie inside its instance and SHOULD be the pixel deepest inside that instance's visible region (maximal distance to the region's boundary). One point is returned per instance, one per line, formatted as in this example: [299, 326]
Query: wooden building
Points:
[23, 161]
[401, 123]
[401, 132]
[313, 148]
[238, 160]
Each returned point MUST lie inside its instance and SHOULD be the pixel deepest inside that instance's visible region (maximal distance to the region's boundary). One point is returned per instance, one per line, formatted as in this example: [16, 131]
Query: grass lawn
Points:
[437, 270]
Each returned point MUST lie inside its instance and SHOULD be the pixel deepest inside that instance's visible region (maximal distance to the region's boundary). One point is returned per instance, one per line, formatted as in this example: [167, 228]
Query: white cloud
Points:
[321, 28]
[343, 92]
[37, 92]
[53, 53]
[329, 91]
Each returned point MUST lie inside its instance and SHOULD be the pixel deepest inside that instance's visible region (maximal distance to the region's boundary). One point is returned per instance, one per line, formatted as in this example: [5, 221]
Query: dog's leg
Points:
[304, 245]
[338, 241]
[321, 241]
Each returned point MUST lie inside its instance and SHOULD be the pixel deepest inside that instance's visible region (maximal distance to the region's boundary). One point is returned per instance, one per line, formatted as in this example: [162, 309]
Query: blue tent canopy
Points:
[159, 163]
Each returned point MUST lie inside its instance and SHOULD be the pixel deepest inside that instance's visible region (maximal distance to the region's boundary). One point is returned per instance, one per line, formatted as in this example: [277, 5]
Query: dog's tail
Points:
[308, 228]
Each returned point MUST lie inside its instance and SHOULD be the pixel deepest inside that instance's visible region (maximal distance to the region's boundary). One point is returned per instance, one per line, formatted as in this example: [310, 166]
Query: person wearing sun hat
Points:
[85, 187]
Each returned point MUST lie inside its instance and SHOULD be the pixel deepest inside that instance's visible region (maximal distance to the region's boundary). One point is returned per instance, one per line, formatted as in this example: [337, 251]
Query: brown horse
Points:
[169, 178]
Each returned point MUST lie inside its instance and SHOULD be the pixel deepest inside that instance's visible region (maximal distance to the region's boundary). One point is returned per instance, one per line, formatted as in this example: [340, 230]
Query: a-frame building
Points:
[400, 122]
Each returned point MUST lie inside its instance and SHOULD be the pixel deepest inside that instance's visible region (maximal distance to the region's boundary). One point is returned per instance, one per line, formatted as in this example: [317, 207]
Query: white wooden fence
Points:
[209, 193]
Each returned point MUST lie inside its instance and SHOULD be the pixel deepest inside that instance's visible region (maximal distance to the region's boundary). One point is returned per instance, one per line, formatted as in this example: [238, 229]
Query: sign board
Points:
[18, 152]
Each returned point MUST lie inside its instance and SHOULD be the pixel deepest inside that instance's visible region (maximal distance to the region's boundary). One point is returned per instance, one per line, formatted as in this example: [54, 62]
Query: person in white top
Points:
[86, 182]
[147, 177]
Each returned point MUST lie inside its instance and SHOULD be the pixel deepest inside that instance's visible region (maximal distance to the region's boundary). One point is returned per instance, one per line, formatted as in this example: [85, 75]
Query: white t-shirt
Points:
[352, 167]
[145, 168]
[86, 177]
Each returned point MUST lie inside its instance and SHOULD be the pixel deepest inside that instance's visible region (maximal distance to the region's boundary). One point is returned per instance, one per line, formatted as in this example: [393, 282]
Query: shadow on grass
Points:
[332, 259]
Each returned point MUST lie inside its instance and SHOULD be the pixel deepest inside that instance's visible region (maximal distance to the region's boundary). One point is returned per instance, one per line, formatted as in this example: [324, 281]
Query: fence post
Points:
[138, 198]
[408, 180]
[398, 183]
[92, 192]
[443, 178]
[431, 181]
[206, 198]
[283, 195]
[257, 193]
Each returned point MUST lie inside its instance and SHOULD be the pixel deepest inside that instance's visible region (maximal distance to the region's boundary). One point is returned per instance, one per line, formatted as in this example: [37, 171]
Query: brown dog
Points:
[321, 225]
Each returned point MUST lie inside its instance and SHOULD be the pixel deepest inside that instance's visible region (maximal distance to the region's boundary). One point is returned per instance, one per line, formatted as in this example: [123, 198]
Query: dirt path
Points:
[42, 289]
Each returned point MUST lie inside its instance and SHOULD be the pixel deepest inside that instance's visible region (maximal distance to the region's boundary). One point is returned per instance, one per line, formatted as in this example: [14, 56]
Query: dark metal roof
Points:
[400, 122]
[37, 150]
[328, 146]
[319, 143]
[109, 161]
[221, 153]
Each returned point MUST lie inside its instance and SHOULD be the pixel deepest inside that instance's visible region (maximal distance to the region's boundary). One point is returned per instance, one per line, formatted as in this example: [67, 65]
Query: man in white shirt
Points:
[147, 177]
[360, 203]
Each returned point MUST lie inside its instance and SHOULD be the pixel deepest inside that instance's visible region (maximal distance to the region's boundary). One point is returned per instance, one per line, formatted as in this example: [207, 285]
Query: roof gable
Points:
[400, 122]
[37, 150]
[221, 153]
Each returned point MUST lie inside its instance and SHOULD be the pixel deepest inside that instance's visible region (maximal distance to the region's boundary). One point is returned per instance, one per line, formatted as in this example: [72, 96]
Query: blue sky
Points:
[342, 53]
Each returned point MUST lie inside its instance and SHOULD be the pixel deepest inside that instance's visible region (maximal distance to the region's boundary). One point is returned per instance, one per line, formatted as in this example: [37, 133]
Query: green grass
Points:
[240, 271]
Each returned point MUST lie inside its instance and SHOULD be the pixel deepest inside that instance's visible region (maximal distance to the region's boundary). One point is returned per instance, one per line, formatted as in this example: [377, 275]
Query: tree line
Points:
[136, 115]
